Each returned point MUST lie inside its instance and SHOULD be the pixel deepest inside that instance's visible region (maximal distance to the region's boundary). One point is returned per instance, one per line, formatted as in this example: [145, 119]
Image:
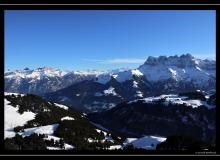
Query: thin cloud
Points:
[118, 61]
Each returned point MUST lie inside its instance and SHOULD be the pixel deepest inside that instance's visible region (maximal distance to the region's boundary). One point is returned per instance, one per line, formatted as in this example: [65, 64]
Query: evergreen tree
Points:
[61, 142]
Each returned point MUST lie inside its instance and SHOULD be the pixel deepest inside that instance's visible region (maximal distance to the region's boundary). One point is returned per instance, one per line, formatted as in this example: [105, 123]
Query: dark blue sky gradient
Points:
[77, 40]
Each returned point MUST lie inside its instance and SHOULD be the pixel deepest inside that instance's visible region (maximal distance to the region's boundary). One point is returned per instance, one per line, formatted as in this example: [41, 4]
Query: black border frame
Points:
[105, 7]
[110, 2]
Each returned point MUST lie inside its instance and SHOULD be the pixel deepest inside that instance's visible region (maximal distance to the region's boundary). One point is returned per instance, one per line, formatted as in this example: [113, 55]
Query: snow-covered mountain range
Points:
[43, 80]
[162, 75]
[97, 90]
[178, 68]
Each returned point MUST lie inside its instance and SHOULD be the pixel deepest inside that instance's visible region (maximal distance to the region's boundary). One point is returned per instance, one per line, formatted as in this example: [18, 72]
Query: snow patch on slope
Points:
[16, 94]
[147, 142]
[174, 73]
[48, 130]
[115, 147]
[127, 75]
[110, 91]
[66, 146]
[139, 94]
[135, 84]
[67, 118]
[136, 72]
[61, 106]
[14, 119]
[175, 99]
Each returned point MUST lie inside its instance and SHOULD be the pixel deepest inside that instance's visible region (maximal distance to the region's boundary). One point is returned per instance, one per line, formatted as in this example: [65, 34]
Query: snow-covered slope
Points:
[14, 119]
[146, 142]
[176, 99]
[48, 129]
[127, 75]
[56, 126]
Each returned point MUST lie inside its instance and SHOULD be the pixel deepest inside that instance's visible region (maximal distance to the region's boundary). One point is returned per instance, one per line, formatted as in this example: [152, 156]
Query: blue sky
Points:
[80, 40]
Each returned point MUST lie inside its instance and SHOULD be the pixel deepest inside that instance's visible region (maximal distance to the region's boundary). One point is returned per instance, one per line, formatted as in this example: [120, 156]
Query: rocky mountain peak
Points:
[179, 61]
[187, 56]
[26, 69]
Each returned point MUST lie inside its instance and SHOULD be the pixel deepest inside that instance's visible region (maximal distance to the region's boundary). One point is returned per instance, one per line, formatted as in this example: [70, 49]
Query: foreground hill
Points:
[31, 123]
[191, 114]
[29, 118]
